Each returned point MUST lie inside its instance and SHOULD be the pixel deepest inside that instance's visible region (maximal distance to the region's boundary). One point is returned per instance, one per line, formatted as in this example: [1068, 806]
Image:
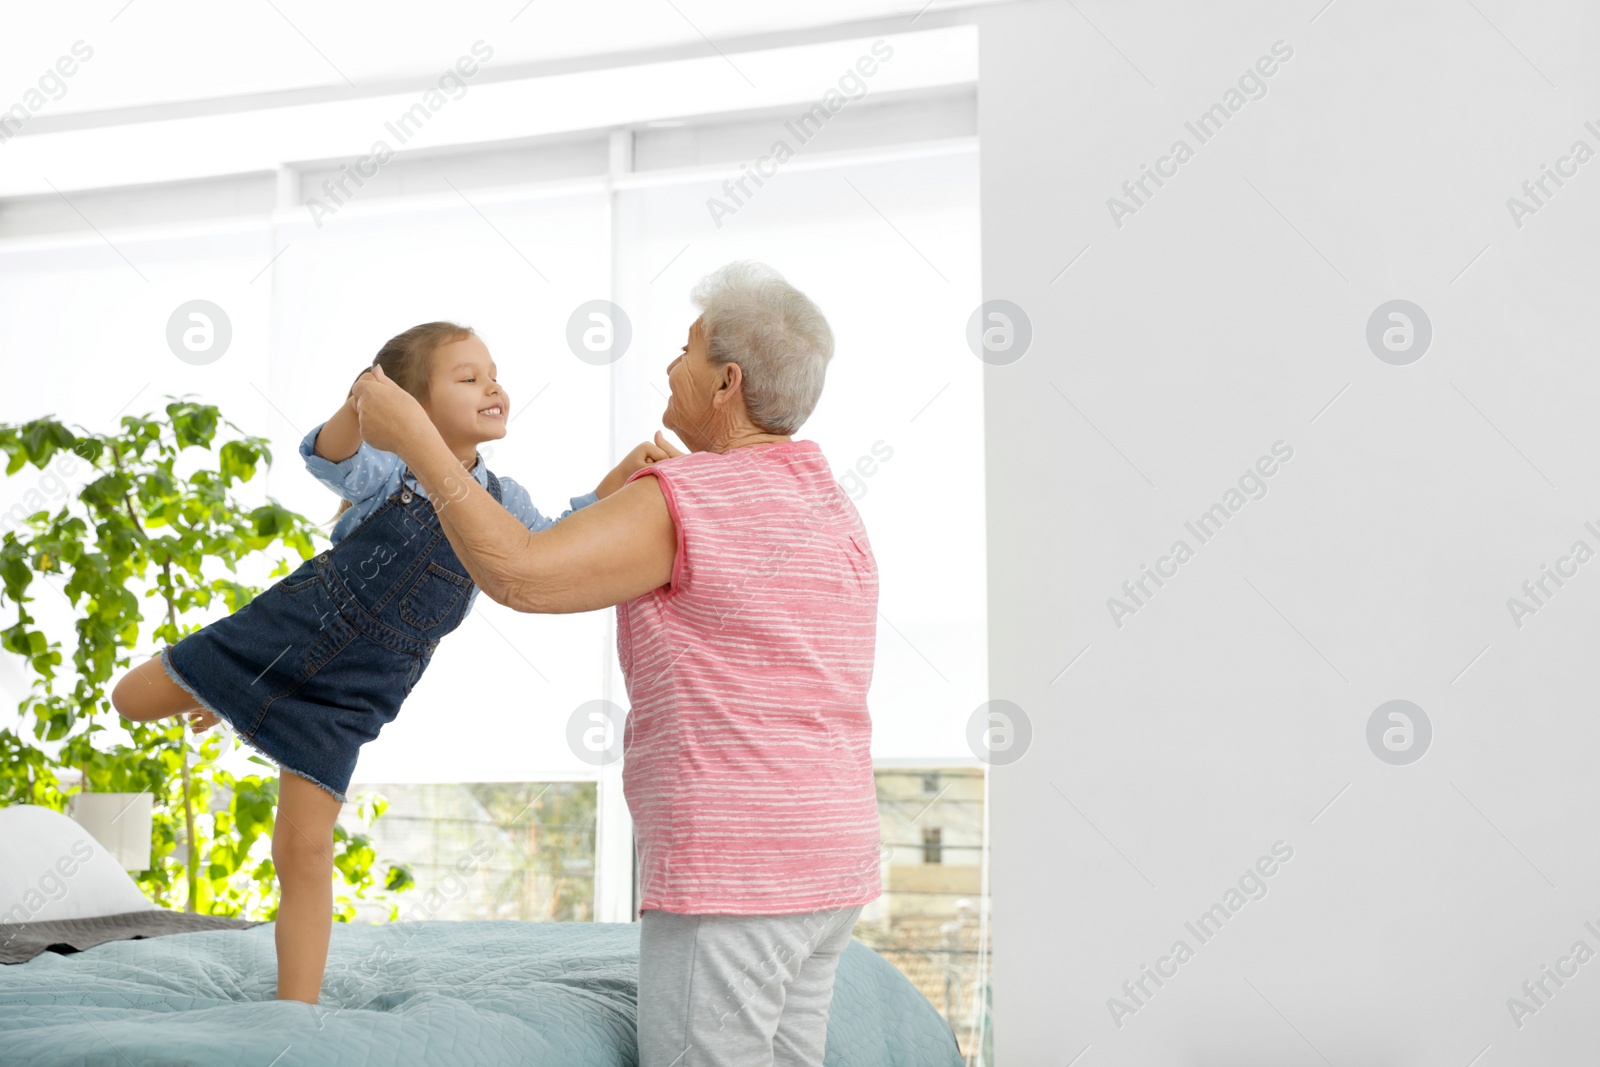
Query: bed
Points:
[416, 992]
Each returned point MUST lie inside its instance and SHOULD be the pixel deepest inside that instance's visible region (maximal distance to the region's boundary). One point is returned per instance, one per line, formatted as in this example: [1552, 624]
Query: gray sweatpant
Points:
[738, 990]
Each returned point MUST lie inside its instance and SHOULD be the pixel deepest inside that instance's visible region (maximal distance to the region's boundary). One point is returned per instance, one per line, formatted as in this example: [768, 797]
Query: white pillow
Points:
[52, 868]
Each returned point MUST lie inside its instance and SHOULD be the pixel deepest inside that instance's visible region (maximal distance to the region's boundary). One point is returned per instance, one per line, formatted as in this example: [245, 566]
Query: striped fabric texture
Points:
[747, 760]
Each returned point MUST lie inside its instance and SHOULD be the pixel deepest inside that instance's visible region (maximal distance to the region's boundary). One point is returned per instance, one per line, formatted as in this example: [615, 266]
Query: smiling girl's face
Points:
[465, 401]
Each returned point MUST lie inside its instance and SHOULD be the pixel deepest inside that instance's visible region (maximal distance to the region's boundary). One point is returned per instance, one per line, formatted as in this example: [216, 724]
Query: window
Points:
[486, 850]
[930, 845]
[932, 921]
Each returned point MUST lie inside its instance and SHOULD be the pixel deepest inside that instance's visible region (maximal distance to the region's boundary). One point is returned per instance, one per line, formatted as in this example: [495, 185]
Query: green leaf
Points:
[399, 878]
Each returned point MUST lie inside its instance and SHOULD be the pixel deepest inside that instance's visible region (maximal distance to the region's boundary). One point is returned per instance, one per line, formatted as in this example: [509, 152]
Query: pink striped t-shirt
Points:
[747, 760]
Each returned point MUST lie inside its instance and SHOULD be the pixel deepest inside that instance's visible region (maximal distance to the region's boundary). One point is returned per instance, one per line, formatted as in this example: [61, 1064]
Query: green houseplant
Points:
[109, 517]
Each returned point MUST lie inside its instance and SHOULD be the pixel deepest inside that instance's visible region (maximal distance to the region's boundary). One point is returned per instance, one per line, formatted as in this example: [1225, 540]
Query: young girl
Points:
[310, 670]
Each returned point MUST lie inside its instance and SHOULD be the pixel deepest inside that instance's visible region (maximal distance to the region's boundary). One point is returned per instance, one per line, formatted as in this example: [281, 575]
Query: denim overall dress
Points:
[311, 670]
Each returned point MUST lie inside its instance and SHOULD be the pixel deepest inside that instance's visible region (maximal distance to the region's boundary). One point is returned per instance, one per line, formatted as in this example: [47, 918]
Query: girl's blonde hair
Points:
[407, 358]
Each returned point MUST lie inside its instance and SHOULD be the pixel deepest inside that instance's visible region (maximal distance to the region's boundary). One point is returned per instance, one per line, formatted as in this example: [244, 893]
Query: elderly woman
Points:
[746, 595]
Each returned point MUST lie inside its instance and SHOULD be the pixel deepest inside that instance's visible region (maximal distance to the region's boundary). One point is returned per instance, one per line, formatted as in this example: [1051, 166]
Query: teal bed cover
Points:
[420, 992]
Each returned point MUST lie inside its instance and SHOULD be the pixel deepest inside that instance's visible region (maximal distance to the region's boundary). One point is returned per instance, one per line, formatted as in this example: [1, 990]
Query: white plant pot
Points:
[119, 821]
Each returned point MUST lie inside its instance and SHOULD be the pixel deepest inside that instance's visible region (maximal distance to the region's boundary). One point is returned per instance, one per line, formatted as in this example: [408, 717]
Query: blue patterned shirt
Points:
[372, 476]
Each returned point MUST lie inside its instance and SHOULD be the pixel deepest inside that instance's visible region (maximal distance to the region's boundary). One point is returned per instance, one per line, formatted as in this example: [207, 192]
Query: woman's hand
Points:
[363, 376]
[201, 721]
[647, 453]
[389, 416]
[350, 401]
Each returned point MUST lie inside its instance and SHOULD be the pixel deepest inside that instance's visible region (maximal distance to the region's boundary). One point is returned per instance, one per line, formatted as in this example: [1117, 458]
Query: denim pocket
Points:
[302, 577]
[433, 596]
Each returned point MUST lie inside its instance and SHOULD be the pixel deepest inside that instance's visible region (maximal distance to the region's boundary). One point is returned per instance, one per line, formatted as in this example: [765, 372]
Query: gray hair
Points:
[780, 340]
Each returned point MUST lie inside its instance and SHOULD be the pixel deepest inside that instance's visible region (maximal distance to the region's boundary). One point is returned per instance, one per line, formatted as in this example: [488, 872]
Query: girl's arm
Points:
[340, 436]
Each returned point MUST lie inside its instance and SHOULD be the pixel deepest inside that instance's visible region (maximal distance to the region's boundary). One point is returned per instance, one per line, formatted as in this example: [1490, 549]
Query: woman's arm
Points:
[617, 548]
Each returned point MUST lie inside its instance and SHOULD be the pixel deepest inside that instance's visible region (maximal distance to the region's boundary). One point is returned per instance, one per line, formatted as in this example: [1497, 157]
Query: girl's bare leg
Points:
[302, 852]
[146, 693]
[302, 837]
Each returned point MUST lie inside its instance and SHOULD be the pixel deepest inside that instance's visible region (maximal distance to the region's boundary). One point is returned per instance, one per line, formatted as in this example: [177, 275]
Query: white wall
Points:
[1231, 711]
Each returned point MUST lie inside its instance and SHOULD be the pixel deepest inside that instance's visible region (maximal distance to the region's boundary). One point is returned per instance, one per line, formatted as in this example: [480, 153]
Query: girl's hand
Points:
[645, 454]
[201, 721]
[661, 449]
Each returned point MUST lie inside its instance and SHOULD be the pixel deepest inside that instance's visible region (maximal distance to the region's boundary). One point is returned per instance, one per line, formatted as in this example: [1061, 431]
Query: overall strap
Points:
[404, 492]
